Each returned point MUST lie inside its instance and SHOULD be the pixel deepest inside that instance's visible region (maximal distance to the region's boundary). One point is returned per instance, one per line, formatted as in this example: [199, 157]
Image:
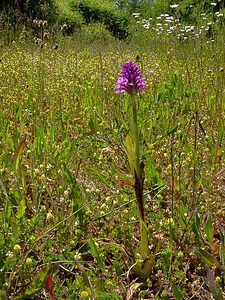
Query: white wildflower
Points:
[146, 26]
[173, 5]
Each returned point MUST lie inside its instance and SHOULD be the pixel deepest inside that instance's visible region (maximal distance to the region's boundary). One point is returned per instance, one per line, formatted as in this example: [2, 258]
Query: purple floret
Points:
[130, 80]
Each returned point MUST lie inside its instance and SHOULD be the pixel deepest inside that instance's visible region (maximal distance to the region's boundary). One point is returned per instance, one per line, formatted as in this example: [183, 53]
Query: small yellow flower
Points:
[49, 216]
[28, 261]
[171, 222]
[84, 295]
[169, 167]
[180, 254]
[17, 248]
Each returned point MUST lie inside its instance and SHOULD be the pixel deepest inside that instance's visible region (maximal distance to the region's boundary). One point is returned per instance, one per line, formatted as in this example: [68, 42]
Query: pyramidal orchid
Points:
[130, 80]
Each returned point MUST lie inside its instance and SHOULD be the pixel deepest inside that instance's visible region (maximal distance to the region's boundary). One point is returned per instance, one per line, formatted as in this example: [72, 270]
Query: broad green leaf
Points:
[207, 258]
[182, 211]
[149, 262]
[21, 209]
[176, 292]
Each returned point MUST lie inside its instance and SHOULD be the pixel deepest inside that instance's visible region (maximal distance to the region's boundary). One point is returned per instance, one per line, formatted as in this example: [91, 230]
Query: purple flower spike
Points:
[130, 80]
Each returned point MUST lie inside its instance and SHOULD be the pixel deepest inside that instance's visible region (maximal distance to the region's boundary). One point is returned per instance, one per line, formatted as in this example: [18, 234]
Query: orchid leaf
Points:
[209, 229]
[19, 152]
[207, 257]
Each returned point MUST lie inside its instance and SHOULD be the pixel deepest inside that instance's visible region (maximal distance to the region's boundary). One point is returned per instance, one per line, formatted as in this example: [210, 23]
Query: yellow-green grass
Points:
[64, 173]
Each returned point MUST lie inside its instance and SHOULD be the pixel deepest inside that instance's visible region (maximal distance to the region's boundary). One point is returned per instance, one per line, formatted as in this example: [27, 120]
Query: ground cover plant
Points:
[79, 149]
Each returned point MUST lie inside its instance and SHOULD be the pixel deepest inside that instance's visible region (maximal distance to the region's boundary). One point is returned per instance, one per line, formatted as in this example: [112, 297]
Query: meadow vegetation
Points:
[69, 219]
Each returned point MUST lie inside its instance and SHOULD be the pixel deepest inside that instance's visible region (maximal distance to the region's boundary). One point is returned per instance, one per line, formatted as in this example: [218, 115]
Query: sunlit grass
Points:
[68, 200]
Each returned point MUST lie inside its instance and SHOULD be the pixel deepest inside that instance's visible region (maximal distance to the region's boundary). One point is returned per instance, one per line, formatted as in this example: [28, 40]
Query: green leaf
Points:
[86, 280]
[7, 212]
[101, 177]
[172, 130]
[19, 151]
[75, 194]
[207, 258]
[37, 284]
[182, 217]
[130, 153]
[92, 124]
[3, 189]
[213, 285]
[166, 260]
[95, 252]
[21, 209]
[196, 226]
[7, 215]
[68, 176]
[209, 229]
[177, 293]
[222, 246]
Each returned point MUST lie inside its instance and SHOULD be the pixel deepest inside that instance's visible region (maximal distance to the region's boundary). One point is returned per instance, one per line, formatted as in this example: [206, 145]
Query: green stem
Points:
[139, 180]
[135, 138]
[144, 240]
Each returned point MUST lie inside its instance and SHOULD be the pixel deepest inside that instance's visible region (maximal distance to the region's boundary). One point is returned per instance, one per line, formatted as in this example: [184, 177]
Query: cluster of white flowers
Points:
[136, 15]
[218, 14]
[170, 24]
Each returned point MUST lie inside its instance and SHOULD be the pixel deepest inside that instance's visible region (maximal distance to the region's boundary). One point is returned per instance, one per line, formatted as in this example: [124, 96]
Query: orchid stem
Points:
[139, 181]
